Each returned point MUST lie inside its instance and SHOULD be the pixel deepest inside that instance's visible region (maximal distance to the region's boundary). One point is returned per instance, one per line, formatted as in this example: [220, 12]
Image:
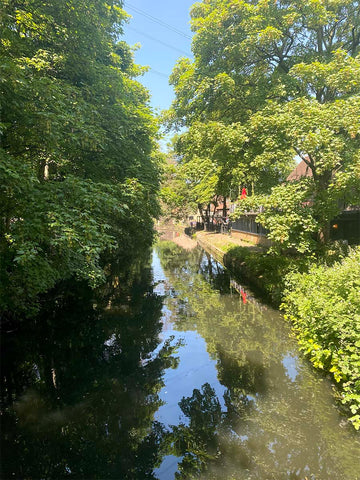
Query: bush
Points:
[324, 307]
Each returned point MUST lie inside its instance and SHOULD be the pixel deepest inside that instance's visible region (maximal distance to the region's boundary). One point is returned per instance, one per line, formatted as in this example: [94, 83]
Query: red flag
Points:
[243, 193]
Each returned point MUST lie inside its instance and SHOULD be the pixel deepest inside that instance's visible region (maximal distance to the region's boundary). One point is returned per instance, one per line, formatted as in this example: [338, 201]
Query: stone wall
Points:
[251, 238]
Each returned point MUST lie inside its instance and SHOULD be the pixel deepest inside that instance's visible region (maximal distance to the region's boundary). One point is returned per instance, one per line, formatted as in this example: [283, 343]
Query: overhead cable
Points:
[157, 73]
[157, 20]
[158, 41]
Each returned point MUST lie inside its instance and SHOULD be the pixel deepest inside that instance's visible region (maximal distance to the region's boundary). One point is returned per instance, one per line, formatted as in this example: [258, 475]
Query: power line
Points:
[157, 73]
[159, 41]
[157, 20]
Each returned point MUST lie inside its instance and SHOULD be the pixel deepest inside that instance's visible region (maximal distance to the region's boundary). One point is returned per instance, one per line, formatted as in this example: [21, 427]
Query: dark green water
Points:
[166, 373]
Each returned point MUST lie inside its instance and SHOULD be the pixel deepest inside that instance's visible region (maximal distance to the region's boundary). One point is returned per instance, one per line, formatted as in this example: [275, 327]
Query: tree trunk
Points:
[322, 185]
[43, 170]
[46, 171]
[224, 208]
[324, 234]
[201, 210]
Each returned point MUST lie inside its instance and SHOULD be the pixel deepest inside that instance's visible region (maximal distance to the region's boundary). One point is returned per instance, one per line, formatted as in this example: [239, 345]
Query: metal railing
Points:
[248, 224]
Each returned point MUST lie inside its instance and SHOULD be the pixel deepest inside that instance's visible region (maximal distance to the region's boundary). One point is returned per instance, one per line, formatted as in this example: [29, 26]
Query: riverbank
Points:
[320, 299]
[265, 273]
[176, 234]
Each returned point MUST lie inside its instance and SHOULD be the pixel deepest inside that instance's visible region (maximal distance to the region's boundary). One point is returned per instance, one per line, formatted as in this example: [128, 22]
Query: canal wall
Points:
[251, 237]
[218, 254]
[263, 273]
[236, 266]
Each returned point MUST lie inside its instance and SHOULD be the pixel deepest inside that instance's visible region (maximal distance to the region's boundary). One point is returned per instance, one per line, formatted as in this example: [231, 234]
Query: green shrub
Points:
[324, 307]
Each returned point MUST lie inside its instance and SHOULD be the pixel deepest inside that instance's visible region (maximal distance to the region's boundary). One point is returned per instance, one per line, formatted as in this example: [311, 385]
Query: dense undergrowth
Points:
[324, 307]
[322, 300]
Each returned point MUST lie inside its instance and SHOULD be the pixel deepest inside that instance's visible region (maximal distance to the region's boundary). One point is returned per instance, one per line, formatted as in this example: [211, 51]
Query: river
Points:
[167, 372]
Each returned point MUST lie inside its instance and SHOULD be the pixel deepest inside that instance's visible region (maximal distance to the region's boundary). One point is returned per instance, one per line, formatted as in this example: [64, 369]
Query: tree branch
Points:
[307, 159]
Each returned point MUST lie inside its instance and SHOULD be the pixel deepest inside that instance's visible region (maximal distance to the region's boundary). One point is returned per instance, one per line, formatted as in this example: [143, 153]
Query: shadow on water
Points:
[80, 384]
[166, 372]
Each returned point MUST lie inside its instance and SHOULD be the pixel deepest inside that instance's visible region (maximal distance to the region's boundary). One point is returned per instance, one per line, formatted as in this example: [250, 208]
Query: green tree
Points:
[79, 168]
[175, 193]
[326, 136]
[271, 80]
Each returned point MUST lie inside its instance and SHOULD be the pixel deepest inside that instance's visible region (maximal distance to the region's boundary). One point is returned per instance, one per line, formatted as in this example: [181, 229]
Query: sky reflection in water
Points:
[275, 415]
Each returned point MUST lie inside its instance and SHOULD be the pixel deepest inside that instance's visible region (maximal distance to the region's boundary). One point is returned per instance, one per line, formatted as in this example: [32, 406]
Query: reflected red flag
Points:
[243, 295]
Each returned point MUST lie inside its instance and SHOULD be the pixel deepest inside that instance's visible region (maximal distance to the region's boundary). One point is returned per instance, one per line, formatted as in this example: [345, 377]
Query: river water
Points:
[167, 372]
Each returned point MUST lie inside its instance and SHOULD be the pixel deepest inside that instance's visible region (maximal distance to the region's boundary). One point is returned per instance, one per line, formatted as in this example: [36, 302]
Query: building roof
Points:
[301, 170]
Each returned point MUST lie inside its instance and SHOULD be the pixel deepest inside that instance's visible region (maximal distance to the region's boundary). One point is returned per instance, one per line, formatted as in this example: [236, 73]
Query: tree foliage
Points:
[324, 307]
[78, 172]
[174, 193]
[272, 81]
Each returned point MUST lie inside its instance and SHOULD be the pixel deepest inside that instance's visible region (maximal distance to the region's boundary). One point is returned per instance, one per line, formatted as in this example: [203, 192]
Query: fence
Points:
[346, 227]
[248, 224]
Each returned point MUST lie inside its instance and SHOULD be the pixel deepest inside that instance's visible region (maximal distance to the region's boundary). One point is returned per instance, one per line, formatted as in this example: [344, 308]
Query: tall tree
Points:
[272, 80]
[79, 174]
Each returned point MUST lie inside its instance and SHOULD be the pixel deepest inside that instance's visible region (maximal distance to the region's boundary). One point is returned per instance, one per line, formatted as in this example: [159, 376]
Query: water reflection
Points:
[166, 373]
[81, 385]
[279, 419]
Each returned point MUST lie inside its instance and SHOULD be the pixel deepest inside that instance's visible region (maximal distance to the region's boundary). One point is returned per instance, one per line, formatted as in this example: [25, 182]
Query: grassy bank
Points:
[320, 298]
[267, 273]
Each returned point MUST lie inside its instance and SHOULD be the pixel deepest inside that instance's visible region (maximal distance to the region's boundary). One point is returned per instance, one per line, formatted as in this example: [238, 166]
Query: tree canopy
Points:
[271, 82]
[79, 168]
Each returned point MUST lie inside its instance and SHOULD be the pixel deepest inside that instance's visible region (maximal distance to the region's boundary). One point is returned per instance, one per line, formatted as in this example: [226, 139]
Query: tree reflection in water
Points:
[197, 442]
[81, 384]
[273, 425]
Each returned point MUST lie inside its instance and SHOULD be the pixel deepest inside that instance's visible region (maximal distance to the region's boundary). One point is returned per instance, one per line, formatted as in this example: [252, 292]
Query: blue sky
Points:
[161, 45]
